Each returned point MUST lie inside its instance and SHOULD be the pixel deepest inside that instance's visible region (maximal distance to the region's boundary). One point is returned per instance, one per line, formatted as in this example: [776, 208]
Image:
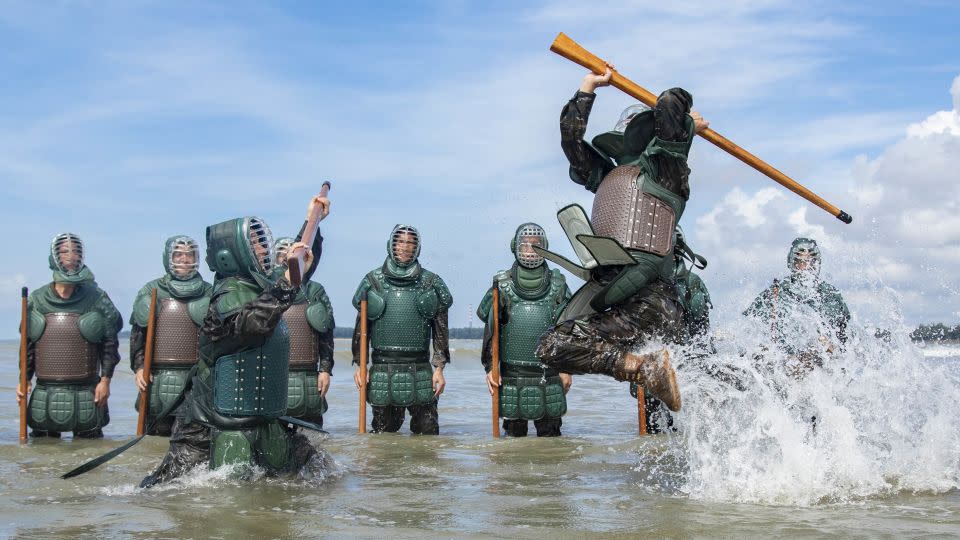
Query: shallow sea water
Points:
[600, 479]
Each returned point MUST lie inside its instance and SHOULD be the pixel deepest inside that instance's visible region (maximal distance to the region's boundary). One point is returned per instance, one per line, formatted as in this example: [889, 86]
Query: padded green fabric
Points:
[532, 398]
[303, 399]
[165, 389]
[401, 384]
[64, 408]
[254, 382]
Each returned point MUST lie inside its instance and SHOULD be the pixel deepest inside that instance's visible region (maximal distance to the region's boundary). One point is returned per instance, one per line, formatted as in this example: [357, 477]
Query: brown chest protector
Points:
[177, 338]
[62, 354]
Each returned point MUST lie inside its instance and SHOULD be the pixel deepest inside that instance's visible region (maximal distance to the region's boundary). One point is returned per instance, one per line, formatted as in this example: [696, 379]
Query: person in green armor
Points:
[807, 316]
[640, 177]
[72, 347]
[406, 305]
[231, 409]
[310, 322]
[694, 300]
[531, 298]
[183, 298]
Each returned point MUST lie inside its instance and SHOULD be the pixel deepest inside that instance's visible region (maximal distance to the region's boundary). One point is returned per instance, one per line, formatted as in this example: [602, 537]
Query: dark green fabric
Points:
[253, 382]
[303, 398]
[65, 407]
[526, 319]
[401, 384]
[403, 325]
[532, 398]
[164, 390]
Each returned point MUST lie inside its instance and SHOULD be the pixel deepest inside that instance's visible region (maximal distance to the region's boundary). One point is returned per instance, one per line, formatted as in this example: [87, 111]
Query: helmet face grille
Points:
[404, 245]
[528, 236]
[282, 249]
[260, 244]
[184, 259]
[628, 114]
[67, 251]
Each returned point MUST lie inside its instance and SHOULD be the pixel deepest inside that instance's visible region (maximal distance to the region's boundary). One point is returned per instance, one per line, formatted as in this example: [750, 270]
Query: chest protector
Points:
[304, 345]
[630, 209]
[253, 382]
[177, 336]
[527, 320]
[62, 352]
[403, 325]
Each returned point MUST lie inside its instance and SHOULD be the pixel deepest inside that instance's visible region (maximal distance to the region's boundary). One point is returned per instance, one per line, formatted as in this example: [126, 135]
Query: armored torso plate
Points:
[304, 347]
[624, 212]
[177, 337]
[527, 320]
[62, 355]
[401, 328]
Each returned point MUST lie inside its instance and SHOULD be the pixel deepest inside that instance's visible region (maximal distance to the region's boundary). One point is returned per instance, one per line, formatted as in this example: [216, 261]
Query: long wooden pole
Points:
[571, 50]
[295, 257]
[147, 364]
[641, 410]
[23, 364]
[495, 359]
[363, 362]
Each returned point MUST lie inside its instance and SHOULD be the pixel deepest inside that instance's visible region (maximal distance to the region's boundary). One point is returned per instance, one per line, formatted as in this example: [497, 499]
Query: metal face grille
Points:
[67, 251]
[528, 236]
[184, 257]
[261, 243]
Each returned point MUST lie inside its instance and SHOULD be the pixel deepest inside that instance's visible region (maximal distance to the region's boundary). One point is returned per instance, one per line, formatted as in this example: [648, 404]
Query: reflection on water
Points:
[598, 478]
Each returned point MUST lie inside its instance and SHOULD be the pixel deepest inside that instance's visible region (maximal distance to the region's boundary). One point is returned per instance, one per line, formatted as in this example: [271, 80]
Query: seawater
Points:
[882, 460]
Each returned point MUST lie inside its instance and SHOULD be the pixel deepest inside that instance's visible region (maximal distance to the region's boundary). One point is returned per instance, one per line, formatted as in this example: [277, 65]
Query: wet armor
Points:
[183, 298]
[230, 411]
[310, 324]
[71, 343]
[641, 181]
[406, 306]
[531, 299]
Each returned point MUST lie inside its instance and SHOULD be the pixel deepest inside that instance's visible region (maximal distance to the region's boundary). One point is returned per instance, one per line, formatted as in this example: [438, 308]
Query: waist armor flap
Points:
[254, 382]
[527, 320]
[401, 328]
[62, 354]
[177, 336]
[630, 209]
[304, 347]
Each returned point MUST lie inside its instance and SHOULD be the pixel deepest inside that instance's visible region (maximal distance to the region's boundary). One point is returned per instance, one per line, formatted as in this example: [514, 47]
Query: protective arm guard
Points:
[441, 339]
[355, 342]
[324, 326]
[587, 165]
[138, 341]
[110, 346]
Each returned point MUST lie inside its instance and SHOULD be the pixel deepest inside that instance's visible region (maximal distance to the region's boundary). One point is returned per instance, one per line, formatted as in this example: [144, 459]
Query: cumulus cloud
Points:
[905, 235]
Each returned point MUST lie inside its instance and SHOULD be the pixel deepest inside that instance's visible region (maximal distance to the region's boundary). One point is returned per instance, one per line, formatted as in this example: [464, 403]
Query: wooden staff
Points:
[23, 364]
[641, 410]
[495, 359]
[363, 362]
[296, 256]
[571, 50]
[147, 364]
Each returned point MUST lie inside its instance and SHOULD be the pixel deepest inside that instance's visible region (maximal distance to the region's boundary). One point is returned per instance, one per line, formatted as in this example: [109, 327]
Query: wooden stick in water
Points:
[23, 364]
[147, 364]
[495, 357]
[363, 362]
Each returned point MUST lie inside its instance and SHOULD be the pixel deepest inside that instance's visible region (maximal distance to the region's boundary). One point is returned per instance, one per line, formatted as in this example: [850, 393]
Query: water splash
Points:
[885, 422]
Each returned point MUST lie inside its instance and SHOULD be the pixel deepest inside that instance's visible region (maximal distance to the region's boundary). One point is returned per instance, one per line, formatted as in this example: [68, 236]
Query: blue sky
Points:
[127, 122]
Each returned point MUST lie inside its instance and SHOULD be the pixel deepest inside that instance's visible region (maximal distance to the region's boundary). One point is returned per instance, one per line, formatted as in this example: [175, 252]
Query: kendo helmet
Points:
[240, 247]
[282, 249]
[527, 236]
[628, 114]
[404, 242]
[804, 249]
[175, 257]
[66, 254]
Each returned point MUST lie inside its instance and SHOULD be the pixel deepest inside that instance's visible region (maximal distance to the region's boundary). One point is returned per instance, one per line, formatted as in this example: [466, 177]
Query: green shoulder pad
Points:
[232, 293]
[443, 293]
[141, 305]
[483, 310]
[36, 324]
[93, 326]
[320, 311]
[198, 309]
